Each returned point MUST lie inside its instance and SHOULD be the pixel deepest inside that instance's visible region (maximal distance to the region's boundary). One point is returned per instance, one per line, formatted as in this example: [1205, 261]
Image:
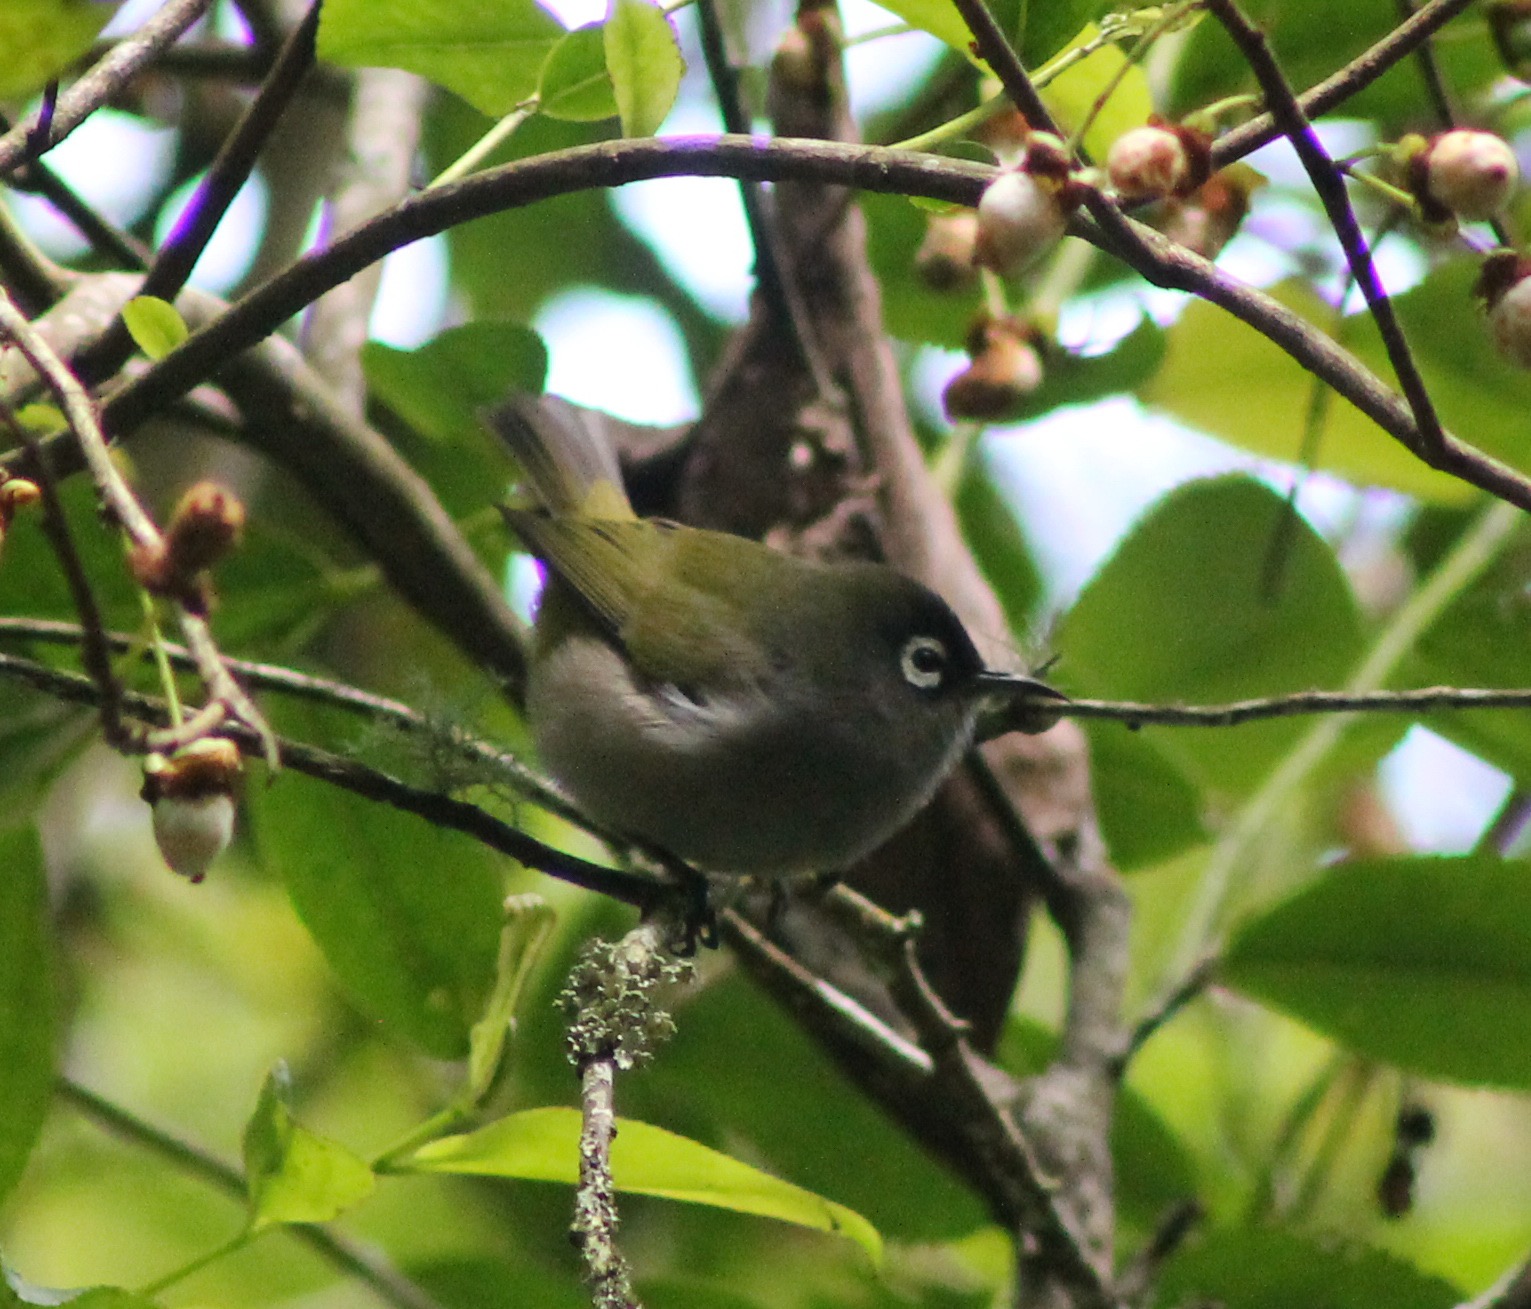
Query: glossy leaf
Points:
[1218, 372]
[543, 1145]
[796, 1125]
[1149, 809]
[575, 84]
[491, 55]
[1420, 962]
[155, 325]
[644, 61]
[1483, 638]
[990, 527]
[1182, 613]
[26, 1001]
[407, 916]
[1257, 1268]
[41, 38]
[293, 1175]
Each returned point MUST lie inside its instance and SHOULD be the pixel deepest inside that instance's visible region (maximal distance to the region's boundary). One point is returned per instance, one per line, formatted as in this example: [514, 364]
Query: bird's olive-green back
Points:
[690, 605]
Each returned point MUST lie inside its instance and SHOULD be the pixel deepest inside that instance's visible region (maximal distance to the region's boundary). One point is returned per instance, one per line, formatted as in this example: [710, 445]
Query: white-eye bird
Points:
[744, 710]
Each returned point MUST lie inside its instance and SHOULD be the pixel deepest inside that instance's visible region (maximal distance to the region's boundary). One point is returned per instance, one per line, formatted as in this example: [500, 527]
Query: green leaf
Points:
[1181, 613]
[26, 1001]
[1483, 638]
[999, 545]
[575, 84]
[1259, 1268]
[155, 325]
[41, 38]
[294, 1176]
[1421, 962]
[1217, 372]
[1149, 809]
[528, 922]
[439, 388]
[543, 1145]
[491, 55]
[16, 1290]
[645, 64]
[405, 914]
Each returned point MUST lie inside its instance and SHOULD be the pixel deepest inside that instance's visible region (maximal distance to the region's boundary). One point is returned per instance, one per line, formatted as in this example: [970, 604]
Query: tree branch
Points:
[105, 80]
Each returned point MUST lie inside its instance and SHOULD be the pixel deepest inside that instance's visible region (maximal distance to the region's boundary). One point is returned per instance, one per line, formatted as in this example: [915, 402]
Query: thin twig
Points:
[1429, 699]
[80, 413]
[1329, 183]
[95, 650]
[348, 1255]
[638, 890]
[595, 1205]
[101, 84]
[1333, 91]
[872, 168]
[229, 171]
[1187, 989]
[380, 709]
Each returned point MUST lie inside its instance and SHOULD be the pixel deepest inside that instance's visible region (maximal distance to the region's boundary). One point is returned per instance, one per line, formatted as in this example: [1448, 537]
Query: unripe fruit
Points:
[1147, 163]
[1019, 220]
[944, 260]
[1006, 367]
[1470, 174]
[192, 797]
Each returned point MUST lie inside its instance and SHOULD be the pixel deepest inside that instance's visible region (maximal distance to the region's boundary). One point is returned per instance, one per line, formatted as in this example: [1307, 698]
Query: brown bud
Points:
[192, 796]
[1504, 286]
[1006, 367]
[205, 526]
[944, 260]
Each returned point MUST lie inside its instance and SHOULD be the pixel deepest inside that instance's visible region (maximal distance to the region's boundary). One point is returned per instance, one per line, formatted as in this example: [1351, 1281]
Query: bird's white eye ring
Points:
[923, 662]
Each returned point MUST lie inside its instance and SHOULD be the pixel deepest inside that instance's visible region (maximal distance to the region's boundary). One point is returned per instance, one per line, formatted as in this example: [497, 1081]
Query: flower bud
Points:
[1148, 163]
[1504, 286]
[192, 797]
[1025, 210]
[205, 527]
[1005, 368]
[944, 260]
[1470, 175]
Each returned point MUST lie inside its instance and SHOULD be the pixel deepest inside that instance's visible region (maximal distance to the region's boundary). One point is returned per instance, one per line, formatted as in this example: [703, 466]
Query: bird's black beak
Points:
[1016, 704]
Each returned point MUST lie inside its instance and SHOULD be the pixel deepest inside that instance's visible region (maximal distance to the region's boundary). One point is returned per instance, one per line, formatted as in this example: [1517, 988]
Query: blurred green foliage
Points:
[358, 945]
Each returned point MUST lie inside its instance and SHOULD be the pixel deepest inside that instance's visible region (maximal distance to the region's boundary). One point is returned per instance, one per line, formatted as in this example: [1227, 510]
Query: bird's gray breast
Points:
[760, 777]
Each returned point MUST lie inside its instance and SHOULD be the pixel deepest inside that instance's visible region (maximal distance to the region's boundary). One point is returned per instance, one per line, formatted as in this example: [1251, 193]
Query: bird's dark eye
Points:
[923, 662]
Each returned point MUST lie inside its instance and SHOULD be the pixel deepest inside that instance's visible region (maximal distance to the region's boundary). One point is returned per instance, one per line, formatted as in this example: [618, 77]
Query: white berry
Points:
[1473, 174]
[192, 831]
[1019, 220]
